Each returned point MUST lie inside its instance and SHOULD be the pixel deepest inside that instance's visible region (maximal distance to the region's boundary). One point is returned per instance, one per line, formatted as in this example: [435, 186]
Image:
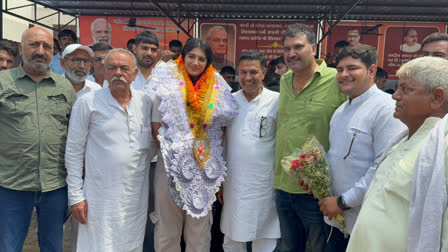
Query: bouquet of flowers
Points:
[308, 163]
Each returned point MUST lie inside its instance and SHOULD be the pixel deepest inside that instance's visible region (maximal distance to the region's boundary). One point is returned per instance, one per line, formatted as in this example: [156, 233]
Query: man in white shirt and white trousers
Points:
[76, 60]
[359, 132]
[249, 212]
[110, 131]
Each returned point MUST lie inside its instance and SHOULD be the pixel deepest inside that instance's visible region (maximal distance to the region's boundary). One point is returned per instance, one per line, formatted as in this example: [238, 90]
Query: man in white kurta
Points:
[110, 130]
[249, 212]
[77, 75]
[387, 221]
[359, 131]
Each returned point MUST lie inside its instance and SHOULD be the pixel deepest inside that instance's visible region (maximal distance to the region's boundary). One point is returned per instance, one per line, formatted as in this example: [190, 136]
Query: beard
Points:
[74, 78]
[39, 67]
[144, 64]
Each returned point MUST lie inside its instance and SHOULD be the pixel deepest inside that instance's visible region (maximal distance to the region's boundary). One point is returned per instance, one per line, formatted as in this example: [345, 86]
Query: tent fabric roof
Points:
[384, 10]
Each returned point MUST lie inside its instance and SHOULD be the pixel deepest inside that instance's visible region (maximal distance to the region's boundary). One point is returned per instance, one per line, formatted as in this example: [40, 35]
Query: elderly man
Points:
[405, 207]
[99, 52]
[309, 95]
[8, 53]
[217, 38]
[410, 39]
[249, 212]
[66, 37]
[101, 31]
[436, 45]
[359, 131]
[76, 60]
[35, 106]
[110, 131]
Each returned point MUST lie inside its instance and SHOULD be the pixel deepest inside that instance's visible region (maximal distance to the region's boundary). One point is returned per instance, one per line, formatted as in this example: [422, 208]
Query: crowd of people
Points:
[144, 149]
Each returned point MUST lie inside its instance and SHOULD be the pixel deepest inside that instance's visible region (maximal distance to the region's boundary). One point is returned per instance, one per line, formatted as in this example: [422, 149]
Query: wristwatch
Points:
[341, 203]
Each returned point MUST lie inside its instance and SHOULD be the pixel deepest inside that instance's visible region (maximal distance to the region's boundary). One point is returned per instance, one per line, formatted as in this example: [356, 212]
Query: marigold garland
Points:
[199, 99]
[196, 93]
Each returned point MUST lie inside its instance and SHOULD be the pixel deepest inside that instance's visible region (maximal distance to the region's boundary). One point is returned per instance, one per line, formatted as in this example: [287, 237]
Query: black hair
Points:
[9, 47]
[278, 60]
[193, 43]
[69, 33]
[341, 44]
[295, 29]
[175, 43]
[272, 81]
[100, 47]
[228, 69]
[147, 37]
[434, 37]
[131, 41]
[380, 73]
[253, 55]
[366, 53]
[56, 43]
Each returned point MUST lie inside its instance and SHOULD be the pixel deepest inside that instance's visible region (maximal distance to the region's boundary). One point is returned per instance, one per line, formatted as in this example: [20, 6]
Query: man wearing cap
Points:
[35, 107]
[76, 60]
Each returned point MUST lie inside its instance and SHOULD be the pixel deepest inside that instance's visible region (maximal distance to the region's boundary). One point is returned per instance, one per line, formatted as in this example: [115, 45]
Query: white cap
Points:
[73, 47]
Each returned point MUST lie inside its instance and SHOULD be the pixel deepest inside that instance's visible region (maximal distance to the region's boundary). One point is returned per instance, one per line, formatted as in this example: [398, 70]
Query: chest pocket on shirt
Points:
[360, 141]
[17, 105]
[58, 109]
[263, 126]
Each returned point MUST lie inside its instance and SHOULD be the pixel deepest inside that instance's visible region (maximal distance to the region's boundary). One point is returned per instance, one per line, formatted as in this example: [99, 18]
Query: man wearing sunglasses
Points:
[99, 52]
[359, 131]
[76, 60]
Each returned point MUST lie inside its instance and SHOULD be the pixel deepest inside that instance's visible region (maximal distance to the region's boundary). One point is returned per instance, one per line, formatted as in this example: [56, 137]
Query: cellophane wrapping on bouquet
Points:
[308, 163]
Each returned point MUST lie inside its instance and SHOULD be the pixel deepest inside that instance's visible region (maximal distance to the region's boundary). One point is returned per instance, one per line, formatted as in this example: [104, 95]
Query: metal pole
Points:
[1, 18]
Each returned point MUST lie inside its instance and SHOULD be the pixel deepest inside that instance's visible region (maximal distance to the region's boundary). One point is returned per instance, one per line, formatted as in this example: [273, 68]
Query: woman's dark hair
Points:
[201, 44]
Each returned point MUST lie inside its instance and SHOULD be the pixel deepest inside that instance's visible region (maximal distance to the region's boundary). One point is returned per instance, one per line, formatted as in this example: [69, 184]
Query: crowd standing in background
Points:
[147, 149]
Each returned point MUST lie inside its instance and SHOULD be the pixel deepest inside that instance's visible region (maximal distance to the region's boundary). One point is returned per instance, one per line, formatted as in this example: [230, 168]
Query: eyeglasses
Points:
[263, 124]
[350, 148]
[78, 61]
[98, 59]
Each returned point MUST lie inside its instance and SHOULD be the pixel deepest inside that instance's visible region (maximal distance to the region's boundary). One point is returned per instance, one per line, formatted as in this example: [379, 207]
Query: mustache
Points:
[37, 56]
[294, 58]
[121, 78]
[83, 72]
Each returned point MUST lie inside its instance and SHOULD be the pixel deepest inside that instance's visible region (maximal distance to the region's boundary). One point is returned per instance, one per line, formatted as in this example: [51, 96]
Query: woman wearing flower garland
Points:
[193, 105]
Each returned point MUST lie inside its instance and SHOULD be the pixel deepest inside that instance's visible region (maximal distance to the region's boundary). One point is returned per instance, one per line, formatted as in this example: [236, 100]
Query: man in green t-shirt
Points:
[309, 95]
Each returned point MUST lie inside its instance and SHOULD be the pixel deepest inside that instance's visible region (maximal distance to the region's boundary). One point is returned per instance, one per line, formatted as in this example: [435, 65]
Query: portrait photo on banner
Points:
[221, 37]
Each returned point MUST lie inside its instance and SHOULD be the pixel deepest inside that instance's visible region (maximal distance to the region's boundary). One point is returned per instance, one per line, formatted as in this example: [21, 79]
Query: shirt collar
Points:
[364, 96]
[321, 68]
[21, 74]
[255, 100]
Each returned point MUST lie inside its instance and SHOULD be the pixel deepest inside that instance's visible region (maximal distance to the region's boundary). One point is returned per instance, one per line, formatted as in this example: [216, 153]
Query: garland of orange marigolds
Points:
[200, 102]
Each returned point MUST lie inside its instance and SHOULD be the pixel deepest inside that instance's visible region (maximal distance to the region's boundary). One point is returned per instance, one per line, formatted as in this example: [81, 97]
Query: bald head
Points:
[36, 50]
